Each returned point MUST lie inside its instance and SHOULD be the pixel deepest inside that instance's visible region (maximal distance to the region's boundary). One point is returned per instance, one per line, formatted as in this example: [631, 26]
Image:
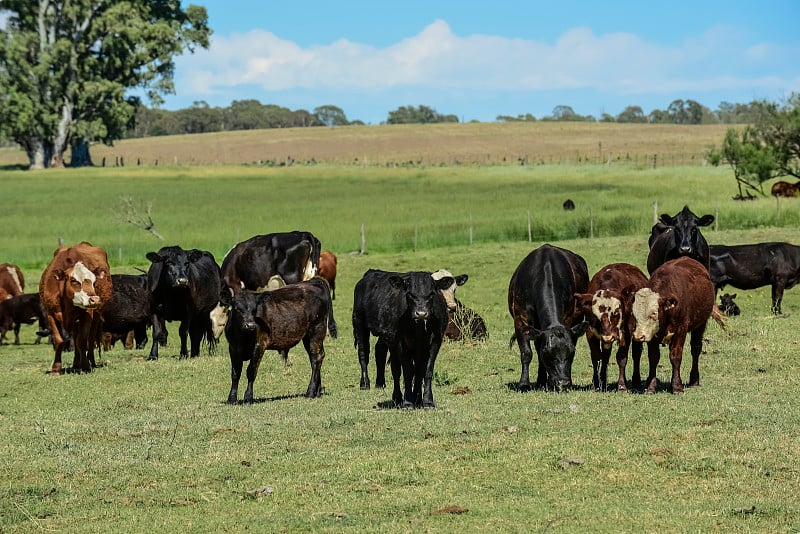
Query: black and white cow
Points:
[678, 236]
[408, 314]
[185, 285]
[542, 303]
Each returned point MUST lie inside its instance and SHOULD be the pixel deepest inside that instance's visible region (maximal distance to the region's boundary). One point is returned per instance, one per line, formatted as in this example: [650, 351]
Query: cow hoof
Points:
[407, 405]
[152, 358]
[429, 405]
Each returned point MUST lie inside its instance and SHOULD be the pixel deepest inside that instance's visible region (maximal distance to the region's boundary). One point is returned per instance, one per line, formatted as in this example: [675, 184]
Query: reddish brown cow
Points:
[12, 283]
[327, 269]
[678, 300]
[607, 306]
[785, 189]
[74, 288]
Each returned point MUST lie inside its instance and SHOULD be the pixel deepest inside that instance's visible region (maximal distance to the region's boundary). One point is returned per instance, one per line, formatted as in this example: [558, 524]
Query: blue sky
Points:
[478, 60]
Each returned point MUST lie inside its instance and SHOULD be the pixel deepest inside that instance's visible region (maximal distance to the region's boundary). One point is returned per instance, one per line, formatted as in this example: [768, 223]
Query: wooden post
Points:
[716, 220]
[363, 240]
[529, 226]
[591, 224]
[655, 211]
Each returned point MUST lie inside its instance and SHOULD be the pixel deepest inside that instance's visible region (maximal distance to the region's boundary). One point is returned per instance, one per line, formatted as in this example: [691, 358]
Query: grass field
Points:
[143, 446]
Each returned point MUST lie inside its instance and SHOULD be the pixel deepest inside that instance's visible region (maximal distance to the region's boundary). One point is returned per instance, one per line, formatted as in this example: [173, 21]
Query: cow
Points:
[676, 236]
[128, 310]
[677, 302]
[542, 304]
[294, 256]
[276, 320]
[751, 266]
[23, 309]
[449, 292]
[12, 283]
[568, 205]
[185, 286]
[407, 312]
[327, 269]
[785, 189]
[607, 306]
[464, 323]
[75, 287]
[727, 306]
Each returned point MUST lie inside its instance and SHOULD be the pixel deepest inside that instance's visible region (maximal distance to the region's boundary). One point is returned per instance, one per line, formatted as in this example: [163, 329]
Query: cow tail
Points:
[512, 340]
[208, 334]
[718, 317]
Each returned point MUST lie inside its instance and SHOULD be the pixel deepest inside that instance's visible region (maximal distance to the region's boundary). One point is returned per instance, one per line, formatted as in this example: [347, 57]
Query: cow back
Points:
[754, 265]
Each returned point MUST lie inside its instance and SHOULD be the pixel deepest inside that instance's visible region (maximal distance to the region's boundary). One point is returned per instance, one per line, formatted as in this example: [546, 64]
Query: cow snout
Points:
[685, 250]
[421, 315]
[249, 326]
[182, 282]
[562, 385]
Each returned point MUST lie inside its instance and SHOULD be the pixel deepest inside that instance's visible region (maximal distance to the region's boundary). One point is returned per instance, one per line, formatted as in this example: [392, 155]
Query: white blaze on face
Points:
[449, 294]
[645, 311]
[81, 298]
[219, 317]
[13, 273]
[607, 305]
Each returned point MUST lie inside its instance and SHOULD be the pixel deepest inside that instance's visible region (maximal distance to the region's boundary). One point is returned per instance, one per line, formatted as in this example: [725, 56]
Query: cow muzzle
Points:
[420, 315]
[249, 326]
[181, 282]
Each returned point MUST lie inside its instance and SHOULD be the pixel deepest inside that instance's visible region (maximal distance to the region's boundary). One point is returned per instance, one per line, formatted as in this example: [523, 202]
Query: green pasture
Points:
[141, 446]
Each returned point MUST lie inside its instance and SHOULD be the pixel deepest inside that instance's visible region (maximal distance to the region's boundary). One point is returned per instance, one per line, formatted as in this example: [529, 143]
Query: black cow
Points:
[185, 285]
[408, 314]
[752, 266]
[276, 320]
[23, 309]
[728, 306]
[129, 308]
[542, 303]
[677, 236]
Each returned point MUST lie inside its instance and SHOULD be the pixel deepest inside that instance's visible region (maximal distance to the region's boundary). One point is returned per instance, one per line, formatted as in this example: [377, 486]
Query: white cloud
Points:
[436, 58]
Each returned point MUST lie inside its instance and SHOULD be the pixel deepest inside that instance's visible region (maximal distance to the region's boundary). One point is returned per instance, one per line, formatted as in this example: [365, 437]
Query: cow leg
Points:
[419, 379]
[636, 376]
[381, 349]
[622, 363]
[140, 336]
[653, 355]
[252, 371]
[196, 331]
[16, 333]
[675, 357]
[183, 332]
[159, 337]
[777, 295]
[408, 381]
[58, 344]
[394, 360]
[525, 357]
[427, 395]
[361, 334]
[696, 345]
[236, 374]
[316, 353]
[596, 353]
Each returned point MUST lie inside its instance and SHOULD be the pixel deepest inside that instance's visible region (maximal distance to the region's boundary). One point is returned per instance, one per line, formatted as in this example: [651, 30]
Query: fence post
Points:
[529, 226]
[716, 220]
[655, 211]
[363, 240]
[591, 224]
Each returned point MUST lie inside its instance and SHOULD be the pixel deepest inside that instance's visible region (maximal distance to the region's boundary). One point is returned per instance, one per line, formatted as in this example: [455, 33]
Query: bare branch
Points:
[136, 213]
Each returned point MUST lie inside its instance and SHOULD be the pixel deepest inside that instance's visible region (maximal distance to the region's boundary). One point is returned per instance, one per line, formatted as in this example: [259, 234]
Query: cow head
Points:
[449, 291]
[650, 311]
[728, 306]
[687, 233]
[170, 266]
[556, 349]
[421, 293]
[79, 285]
[605, 312]
[243, 311]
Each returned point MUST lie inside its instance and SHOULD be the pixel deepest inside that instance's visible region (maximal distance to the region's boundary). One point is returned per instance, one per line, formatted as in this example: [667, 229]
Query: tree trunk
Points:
[80, 154]
[38, 153]
[61, 139]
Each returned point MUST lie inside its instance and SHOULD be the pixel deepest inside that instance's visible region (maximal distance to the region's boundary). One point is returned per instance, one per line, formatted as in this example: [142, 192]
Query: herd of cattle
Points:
[273, 291]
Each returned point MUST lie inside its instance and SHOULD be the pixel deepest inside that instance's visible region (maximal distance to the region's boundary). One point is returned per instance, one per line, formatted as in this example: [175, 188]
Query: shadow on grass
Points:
[262, 400]
[14, 167]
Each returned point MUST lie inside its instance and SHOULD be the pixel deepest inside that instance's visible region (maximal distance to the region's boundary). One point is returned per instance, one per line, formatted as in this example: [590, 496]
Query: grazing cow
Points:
[785, 189]
[607, 307]
[728, 306]
[327, 269]
[677, 302]
[128, 310]
[250, 264]
[408, 314]
[464, 323]
[12, 283]
[185, 286]
[568, 205]
[541, 300]
[26, 308]
[752, 266]
[276, 320]
[677, 236]
[74, 288]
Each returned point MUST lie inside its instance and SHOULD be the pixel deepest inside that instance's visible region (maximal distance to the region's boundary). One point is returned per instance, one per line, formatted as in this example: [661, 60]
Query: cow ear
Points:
[398, 283]
[461, 279]
[444, 283]
[194, 255]
[225, 295]
[583, 301]
[705, 220]
[733, 296]
[153, 257]
[666, 218]
[578, 330]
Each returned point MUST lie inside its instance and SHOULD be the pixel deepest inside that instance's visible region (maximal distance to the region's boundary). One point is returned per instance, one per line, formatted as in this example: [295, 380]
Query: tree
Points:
[418, 115]
[752, 161]
[632, 114]
[331, 115]
[65, 67]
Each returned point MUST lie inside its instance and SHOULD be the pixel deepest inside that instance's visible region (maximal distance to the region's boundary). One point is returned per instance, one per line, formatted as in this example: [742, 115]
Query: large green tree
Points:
[67, 65]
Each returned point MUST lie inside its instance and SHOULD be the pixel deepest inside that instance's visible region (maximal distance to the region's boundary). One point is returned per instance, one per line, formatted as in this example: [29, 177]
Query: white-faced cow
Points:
[74, 288]
[408, 314]
[676, 303]
[185, 287]
[607, 306]
[12, 283]
[752, 266]
[541, 300]
[277, 320]
[678, 236]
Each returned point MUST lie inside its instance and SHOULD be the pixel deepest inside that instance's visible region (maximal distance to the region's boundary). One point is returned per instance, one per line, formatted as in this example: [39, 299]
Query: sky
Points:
[478, 60]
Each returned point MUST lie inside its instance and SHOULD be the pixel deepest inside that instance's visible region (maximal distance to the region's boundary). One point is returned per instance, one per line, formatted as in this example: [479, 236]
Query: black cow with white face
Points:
[408, 314]
[185, 285]
[542, 303]
[673, 237]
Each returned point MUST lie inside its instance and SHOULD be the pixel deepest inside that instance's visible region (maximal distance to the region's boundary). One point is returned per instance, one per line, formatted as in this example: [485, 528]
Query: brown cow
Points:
[464, 323]
[327, 269]
[785, 189]
[12, 283]
[74, 288]
[678, 300]
[607, 307]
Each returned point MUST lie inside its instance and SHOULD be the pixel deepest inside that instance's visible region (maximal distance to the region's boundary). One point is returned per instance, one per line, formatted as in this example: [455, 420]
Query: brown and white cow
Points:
[785, 189]
[327, 269]
[449, 293]
[677, 302]
[74, 288]
[607, 307]
[12, 283]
